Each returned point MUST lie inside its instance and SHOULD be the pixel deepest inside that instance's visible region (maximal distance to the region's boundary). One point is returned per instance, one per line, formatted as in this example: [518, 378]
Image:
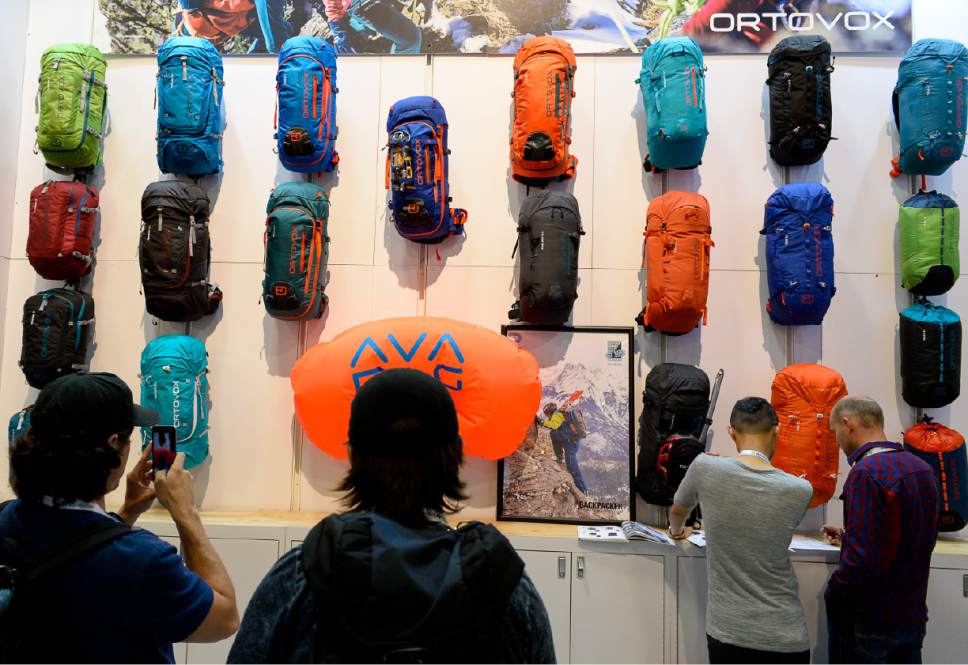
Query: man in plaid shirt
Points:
[876, 609]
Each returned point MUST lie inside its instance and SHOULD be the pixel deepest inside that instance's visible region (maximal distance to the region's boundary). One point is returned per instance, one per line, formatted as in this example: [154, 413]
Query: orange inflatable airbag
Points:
[494, 383]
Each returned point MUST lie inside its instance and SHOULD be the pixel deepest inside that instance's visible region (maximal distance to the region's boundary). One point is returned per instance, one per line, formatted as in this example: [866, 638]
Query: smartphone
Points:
[163, 447]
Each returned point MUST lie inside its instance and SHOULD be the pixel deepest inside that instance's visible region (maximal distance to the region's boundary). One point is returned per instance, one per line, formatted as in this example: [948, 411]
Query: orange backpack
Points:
[678, 242]
[804, 396]
[217, 20]
[544, 85]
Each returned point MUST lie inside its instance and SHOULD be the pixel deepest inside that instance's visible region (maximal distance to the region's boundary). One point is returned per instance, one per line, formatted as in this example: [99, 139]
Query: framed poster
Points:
[576, 462]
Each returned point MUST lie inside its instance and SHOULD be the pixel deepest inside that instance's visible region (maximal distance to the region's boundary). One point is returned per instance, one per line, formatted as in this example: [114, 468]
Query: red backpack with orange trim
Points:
[944, 450]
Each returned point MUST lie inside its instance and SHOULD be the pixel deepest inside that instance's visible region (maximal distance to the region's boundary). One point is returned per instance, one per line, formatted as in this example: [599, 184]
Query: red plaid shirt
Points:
[891, 523]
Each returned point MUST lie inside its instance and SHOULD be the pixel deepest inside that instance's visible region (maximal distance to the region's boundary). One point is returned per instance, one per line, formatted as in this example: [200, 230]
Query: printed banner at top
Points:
[500, 26]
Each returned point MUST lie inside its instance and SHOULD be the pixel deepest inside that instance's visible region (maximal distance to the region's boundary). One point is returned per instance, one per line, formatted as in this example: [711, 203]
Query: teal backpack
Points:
[174, 382]
[673, 85]
[19, 424]
[296, 249]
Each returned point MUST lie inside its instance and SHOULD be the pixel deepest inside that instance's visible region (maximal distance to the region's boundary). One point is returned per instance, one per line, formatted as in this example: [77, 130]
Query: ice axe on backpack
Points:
[713, 398]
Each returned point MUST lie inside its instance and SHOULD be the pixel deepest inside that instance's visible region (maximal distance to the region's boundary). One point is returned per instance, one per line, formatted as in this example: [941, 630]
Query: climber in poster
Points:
[261, 23]
[567, 432]
[354, 24]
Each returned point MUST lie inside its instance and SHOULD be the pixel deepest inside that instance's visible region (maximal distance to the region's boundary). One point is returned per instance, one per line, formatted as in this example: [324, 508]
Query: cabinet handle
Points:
[964, 585]
[563, 567]
[580, 566]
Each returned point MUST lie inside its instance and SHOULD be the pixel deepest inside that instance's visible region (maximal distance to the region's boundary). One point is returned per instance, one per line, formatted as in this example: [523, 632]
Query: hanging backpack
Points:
[803, 397]
[174, 382]
[944, 450]
[678, 242]
[19, 424]
[56, 329]
[931, 107]
[930, 356]
[549, 235]
[189, 96]
[72, 102]
[296, 251]
[417, 172]
[929, 232]
[175, 253]
[306, 105]
[544, 85]
[673, 86]
[800, 103]
[215, 20]
[60, 242]
[799, 254]
[675, 400]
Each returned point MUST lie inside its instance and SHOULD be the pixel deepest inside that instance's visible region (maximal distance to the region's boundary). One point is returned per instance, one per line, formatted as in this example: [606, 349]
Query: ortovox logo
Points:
[175, 390]
[305, 103]
[408, 355]
[798, 21]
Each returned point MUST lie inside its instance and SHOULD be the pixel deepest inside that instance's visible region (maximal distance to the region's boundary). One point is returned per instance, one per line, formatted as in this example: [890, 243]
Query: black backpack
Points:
[930, 355]
[338, 562]
[549, 234]
[175, 253]
[25, 635]
[56, 329]
[676, 399]
[800, 102]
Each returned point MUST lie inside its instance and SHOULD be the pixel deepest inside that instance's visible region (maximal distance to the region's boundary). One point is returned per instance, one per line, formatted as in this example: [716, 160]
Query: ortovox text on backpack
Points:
[673, 86]
[930, 356]
[931, 107]
[174, 382]
[189, 95]
[418, 170]
[296, 250]
[803, 397]
[549, 235]
[677, 248]
[72, 102]
[60, 243]
[56, 329]
[306, 105]
[175, 253]
[929, 234]
[544, 85]
[944, 450]
[800, 102]
[799, 253]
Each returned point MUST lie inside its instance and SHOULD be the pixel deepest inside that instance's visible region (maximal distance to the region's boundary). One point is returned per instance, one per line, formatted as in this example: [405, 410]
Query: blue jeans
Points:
[571, 463]
[850, 641]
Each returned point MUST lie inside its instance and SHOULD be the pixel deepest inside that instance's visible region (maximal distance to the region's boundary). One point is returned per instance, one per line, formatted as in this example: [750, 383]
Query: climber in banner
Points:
[353, 22]
[567, 431]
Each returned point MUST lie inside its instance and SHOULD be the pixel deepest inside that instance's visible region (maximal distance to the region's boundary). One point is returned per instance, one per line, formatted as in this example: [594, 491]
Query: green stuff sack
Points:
[72, 99]
[929, 244]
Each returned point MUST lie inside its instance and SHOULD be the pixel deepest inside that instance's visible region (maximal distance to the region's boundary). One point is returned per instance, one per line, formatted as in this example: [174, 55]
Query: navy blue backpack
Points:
[799, 254]
[417, 172]
[189, 107]
[306, 112]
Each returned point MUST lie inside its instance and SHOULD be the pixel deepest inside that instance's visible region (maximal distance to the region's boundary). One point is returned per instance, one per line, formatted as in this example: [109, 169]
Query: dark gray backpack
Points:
[549, 234]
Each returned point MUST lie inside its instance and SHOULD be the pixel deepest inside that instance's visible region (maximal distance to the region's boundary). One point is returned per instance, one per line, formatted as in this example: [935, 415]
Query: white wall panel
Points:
[13, 41]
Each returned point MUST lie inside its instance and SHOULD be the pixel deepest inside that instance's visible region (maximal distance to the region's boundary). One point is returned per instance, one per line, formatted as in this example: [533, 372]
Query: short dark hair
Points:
[63, 468]
[753, 415]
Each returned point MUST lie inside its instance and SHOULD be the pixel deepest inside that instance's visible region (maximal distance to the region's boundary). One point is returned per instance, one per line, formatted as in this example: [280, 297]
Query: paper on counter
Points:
[807, 544]
[697, 538]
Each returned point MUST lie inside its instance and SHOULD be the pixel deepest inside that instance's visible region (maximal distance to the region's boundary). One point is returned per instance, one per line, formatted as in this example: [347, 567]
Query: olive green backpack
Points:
[929, 243]
[72, 100]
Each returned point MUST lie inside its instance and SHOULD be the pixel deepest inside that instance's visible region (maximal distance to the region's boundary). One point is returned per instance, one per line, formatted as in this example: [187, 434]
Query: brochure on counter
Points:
[632, 531]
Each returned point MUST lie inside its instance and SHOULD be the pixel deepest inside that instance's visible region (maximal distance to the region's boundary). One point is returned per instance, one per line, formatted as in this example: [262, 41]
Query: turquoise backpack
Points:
[19, 424]
[673, 86]
[174, 382]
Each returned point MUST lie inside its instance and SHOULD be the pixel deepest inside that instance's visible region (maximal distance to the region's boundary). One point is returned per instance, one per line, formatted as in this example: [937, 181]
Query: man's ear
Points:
[732, 432]
[119, 444]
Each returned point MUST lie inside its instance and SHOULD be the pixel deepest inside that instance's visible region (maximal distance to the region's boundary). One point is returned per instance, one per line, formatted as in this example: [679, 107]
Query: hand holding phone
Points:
[163, 447]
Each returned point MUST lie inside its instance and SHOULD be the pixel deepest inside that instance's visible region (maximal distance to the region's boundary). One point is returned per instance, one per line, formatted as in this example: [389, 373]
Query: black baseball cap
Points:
[401, 410]
[93, 404]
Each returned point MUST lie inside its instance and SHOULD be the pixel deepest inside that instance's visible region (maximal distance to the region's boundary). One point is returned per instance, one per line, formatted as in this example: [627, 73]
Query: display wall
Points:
[373, 273]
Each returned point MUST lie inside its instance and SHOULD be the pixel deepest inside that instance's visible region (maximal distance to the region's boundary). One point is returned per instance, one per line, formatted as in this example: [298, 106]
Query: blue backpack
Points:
[931, 107]
[673, 86]
[306, 112]
[174, 382]
[189, 97]
[19, 424]
[417, 172]
[799, 254]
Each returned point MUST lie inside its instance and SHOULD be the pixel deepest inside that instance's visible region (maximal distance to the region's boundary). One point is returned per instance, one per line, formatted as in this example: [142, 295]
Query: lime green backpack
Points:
[72, 102]
[929, 244]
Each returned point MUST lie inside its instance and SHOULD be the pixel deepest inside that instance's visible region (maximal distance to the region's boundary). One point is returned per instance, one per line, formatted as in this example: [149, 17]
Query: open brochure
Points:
[629, 531]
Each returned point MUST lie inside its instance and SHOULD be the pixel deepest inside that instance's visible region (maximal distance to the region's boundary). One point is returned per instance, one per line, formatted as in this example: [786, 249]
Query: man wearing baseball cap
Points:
[110, 593]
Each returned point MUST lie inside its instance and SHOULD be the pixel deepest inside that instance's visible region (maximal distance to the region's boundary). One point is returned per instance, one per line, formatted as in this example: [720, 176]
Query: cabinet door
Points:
[551, 574]
[617, 608]
[180, 649]
[812, 577]
[947, 639]
[247, 562]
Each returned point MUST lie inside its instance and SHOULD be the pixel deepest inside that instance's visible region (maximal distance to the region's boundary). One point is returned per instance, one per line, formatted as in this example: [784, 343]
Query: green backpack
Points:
[72, 101]
[929, 244]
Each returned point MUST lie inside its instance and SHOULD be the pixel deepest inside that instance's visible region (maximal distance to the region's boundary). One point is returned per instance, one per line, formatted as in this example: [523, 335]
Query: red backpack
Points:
[60, 243]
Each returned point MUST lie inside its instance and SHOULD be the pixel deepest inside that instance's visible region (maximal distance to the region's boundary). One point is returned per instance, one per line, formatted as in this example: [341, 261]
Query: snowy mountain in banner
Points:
[604, 403]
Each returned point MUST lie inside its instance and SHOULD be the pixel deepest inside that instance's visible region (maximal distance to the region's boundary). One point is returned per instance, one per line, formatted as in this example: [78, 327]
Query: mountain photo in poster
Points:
[575, 462]
[243, 27]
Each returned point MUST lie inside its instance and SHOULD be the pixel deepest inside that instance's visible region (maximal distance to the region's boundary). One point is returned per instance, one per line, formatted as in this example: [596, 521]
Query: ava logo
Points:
[615, 351]
[441, 372]
[799, 21]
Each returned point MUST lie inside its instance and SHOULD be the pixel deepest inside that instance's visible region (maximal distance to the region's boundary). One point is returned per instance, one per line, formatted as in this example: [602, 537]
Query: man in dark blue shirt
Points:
[130, 599]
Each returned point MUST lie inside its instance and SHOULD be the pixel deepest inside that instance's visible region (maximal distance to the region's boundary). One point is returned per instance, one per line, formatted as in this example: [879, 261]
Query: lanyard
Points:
[754, 453]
